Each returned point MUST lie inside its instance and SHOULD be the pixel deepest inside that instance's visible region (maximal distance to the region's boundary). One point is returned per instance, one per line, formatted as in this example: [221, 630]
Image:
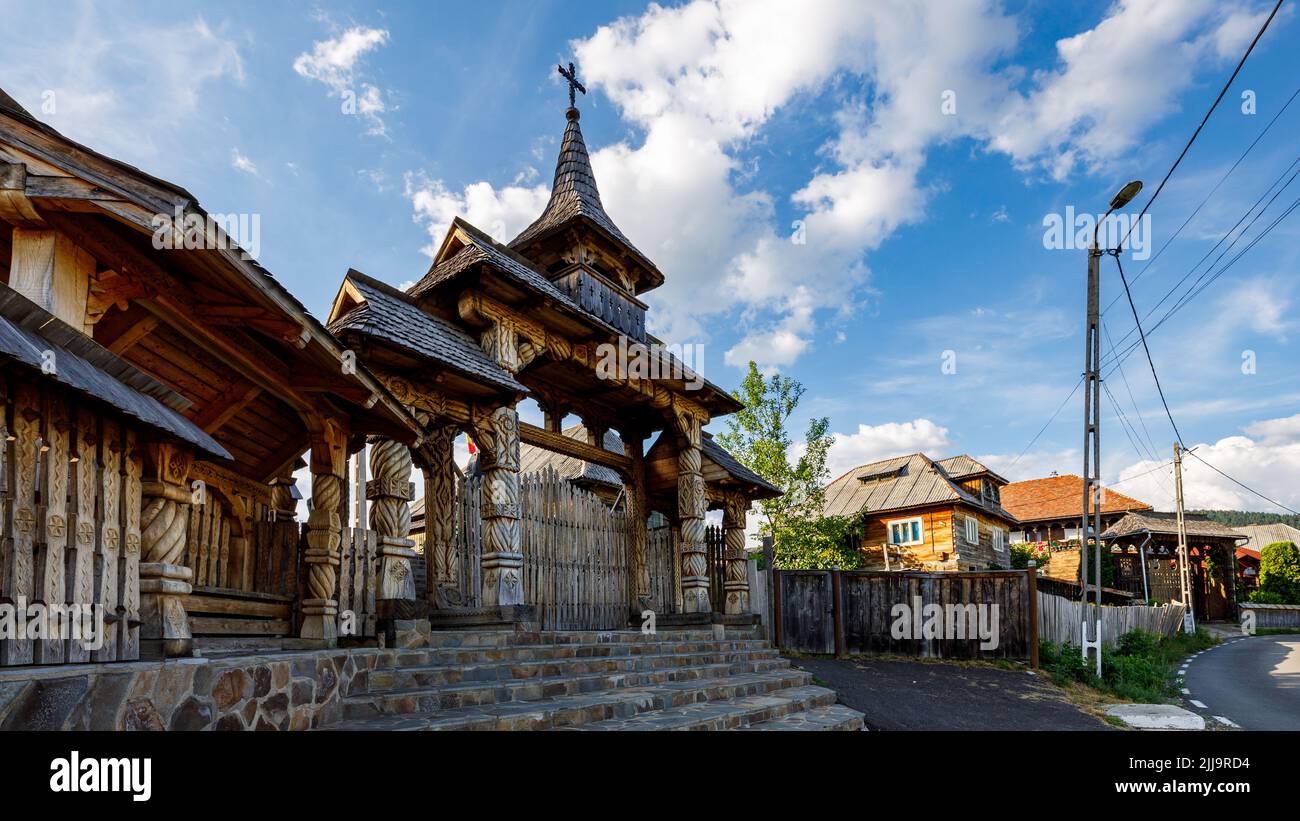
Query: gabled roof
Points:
[1260, 536]
[722, 457]
[85, 366]
[574, 197]
[386, 313]
[465, 246]
[963, 467]
[1166, 524]
[898, 484]
[1060, 497]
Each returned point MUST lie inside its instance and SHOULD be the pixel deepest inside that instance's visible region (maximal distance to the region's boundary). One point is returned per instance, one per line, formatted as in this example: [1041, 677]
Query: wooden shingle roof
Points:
[897, 484]
[1060, 497]
[534, 460]
[574, 197]
[390, 315]
[1166, 524]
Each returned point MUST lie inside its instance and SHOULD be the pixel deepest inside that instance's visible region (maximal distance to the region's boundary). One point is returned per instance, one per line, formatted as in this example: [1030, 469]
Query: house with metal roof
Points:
[926, 514]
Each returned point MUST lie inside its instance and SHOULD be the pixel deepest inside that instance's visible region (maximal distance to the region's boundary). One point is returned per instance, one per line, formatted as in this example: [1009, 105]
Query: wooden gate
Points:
[575, 552]
[358, 566]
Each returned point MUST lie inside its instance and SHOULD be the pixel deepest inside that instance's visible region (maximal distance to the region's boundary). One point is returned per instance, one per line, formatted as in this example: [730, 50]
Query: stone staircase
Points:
[573, 680]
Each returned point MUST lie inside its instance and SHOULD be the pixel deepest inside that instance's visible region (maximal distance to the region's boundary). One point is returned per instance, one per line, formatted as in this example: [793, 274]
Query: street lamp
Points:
[1092, 431]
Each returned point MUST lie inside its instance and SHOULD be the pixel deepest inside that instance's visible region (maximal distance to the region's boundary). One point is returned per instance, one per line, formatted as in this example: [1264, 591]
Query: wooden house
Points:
[926, 514]
[1050, 509]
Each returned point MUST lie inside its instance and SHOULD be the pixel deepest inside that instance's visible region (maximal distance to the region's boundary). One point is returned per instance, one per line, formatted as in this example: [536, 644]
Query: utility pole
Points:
[1184, 570]
[1091, 525]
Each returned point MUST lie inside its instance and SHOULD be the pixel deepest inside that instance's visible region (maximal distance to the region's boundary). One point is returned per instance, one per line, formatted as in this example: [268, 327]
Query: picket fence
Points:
[1061, 620]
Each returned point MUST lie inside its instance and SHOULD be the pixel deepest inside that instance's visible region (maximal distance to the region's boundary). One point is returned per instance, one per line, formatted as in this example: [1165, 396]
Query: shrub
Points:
[1279, 572]
[1022, 553]
[1137, 643]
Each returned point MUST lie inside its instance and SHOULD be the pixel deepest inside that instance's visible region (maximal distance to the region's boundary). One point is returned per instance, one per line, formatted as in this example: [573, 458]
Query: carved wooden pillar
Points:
[638, 569]
[390, 494]
[164, 579]
[324, 533]
[441, 562]
[736, 584]
[503, 558]
[690, 515]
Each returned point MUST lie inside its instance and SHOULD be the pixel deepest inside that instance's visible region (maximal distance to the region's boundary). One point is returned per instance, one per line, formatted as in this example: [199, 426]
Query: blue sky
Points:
[921, 147]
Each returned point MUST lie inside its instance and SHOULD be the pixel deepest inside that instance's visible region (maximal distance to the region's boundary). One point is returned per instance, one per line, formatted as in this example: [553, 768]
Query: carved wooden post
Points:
[690, 514]
[441, 565]
[390, 517]
[324, 532]
[638, 569]
[164, 580]
[736, 585]
[503, 558]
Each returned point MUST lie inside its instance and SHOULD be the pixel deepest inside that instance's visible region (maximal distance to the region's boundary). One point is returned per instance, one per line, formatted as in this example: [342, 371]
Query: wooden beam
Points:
[222, 409]
[128, 338]
[559, 443]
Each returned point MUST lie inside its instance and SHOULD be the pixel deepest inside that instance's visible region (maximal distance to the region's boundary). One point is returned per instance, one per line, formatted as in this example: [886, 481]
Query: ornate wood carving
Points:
[736, 584]
[390, 517]
[690, 514]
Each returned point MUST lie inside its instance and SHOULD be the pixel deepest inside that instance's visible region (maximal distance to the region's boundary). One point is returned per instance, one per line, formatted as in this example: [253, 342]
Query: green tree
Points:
[759, 436]
[1279, 573]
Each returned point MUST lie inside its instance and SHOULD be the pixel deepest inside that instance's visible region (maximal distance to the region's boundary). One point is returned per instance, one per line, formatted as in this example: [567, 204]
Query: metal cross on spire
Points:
[572, 76]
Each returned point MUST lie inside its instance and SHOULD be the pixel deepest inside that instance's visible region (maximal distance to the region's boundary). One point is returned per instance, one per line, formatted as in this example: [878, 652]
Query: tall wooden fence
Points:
[1061, 620]
[575, 552]
[70, 501]
[979, 614]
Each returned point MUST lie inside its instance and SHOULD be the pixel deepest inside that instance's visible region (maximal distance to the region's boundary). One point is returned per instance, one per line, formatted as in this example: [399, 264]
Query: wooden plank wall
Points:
[1061, 620]
[867, 606]
[662, 565]
[70, 497]
[358, 567]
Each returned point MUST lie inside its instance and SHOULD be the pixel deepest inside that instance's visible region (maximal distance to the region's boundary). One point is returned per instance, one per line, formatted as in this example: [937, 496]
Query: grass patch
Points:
[1142, 667]
[1277, 631]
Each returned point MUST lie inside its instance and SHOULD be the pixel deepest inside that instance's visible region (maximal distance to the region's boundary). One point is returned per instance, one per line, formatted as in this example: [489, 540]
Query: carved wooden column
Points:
[503, 558]
[320, 604]
[441, 562]
[638, 570]
[690, 515]
[736, 584]
[390, 494]
[164, 579]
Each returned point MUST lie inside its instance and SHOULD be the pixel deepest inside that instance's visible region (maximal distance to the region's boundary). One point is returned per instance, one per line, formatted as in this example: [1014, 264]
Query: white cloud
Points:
[335, 63]
[874, 442]
[502, 213]
[1266, 459]
[241, 163]
[115, 82]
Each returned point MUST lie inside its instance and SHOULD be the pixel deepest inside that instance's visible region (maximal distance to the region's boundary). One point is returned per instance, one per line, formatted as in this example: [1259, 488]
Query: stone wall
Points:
[281, 691]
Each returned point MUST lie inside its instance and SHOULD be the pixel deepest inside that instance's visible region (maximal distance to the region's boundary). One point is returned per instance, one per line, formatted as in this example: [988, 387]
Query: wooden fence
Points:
[1061, 620]
[575, 552]
[662, 565]
[358, 567]
[70, 501]
[980, 614]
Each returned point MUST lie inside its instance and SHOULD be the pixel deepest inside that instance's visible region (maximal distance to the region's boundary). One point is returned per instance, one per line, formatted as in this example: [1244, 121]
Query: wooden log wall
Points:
[70, 498]
[1060, 620]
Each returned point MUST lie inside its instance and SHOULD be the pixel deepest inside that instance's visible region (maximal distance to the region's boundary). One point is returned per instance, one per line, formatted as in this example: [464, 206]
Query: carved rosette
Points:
[503, 559]
[690, 513]
[736, 583]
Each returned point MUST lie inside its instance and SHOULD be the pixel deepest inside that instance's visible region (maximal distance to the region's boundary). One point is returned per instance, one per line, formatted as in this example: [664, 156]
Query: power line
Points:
[1204, 120]
[1151, 447]
[1243, 485]
[1048, 423]
[1142, 334]
[1208, 196]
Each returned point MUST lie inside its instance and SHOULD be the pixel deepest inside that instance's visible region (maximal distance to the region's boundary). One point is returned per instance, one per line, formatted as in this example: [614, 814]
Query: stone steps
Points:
[621, 680]
[586, 708]
[435, 675]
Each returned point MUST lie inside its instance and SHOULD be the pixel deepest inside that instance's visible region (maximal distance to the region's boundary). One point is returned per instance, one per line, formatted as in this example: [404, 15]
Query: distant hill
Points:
[1237, 518]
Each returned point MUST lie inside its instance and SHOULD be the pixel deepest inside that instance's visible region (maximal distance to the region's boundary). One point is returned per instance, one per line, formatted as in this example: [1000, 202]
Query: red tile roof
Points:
[1059, 497]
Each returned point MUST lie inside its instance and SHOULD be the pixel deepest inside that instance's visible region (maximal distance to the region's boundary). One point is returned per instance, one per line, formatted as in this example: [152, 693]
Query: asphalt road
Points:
[911, 695]
[1253, 682]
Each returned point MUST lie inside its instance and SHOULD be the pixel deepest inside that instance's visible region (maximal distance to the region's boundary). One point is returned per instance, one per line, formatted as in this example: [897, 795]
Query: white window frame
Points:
[999, 540]
[1017, 537]
[920, 529]
[972, 524]
[1070, 533]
